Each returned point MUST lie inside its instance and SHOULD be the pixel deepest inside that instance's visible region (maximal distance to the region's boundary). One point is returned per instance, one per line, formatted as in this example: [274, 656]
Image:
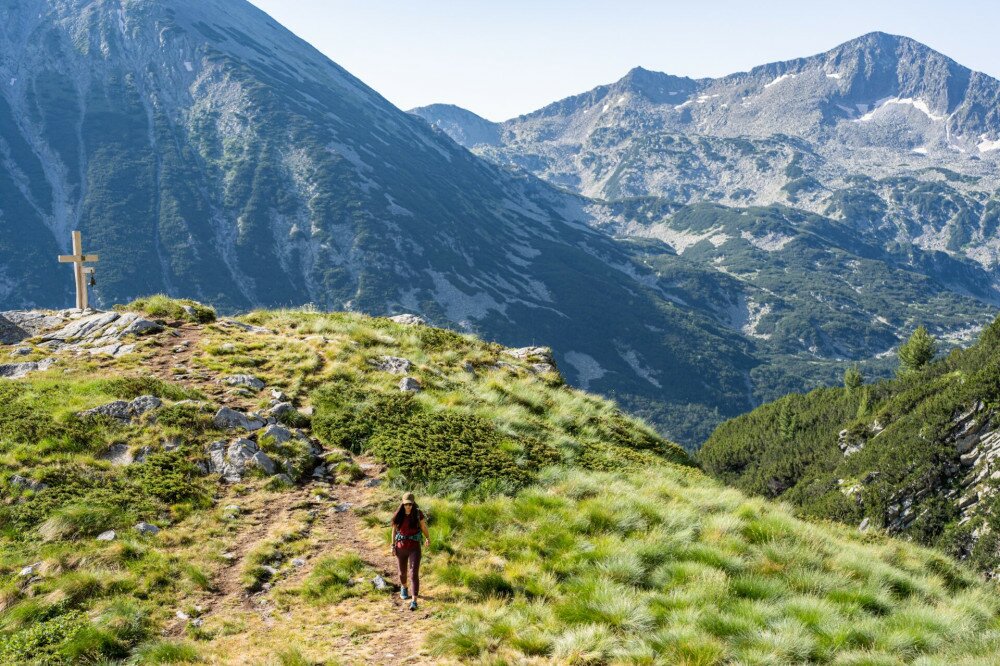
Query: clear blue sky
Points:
[508, 57]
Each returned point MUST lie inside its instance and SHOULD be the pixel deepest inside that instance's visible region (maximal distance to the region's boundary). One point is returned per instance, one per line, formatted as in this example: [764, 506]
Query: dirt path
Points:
[369, 629]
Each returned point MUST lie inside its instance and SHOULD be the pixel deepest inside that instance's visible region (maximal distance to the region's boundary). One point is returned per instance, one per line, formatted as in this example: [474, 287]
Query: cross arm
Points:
[71, 258]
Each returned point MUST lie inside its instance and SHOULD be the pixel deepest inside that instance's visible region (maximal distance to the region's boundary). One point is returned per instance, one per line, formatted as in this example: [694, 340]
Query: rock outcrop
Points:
[123, 411]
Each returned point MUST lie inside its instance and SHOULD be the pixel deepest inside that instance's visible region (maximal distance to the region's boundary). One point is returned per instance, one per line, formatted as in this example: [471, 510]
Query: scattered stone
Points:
[229, 419]
[172, 443]
[20, 351]
[264, 462]
[409, 320]
[278, 433]
[298, 562]
[410, 385]
[19, 481]
[229, 557]
[197, 622]
[117, 454]
[280, 410]
[392, 364]
[181, 615]
[541, 368]
[107, 536]
[124, 411]
[864, 524]
[140, 326]
[308, 411]
[320, 471]
[18, 370]
[536, 354]
[248, 381]
[379, 583]
[231, 512]
[271, 571]
[285, 479]
[30, 570]
[147, 528]
[249, 328]
[373, 483]
[342, 507]
[277, 395]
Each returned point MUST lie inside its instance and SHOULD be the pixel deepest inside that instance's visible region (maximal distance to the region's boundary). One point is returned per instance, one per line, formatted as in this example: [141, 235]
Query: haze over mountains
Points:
[207, 152]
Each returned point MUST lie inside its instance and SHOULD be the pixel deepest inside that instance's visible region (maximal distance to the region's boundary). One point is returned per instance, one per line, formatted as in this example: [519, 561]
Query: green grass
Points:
[165, 307]
[665, 566]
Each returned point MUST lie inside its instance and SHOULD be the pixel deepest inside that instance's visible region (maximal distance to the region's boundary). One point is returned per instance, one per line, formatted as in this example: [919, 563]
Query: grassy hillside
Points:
[911, 455]
[563, 531]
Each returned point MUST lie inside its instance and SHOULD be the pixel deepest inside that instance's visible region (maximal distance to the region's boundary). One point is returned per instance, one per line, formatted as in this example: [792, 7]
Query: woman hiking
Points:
[409, 532]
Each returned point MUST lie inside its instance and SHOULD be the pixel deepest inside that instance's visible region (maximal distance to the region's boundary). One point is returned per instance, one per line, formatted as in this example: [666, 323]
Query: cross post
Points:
[80, 272]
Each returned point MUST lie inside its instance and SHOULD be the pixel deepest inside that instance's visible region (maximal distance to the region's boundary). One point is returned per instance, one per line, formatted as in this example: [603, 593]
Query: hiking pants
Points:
[411, 559]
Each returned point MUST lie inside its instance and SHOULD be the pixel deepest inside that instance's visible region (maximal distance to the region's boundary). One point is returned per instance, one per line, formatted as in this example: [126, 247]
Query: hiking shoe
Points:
[413, 605]
[404, 593]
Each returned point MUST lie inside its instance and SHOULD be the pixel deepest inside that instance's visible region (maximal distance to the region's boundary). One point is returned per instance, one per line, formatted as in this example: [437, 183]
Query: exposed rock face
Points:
[18, 481]
[18, 370]
[410, 385]
[248, 381]
[19, 325]
[229, 419]
[409, 320]
[392, 364]
[125, 411]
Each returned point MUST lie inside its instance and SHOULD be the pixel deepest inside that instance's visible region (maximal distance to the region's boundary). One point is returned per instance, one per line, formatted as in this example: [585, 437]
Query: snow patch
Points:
[621, 100]
[984, 146]
[834, 75]
[606, 107]
[783, 77]
[587, 368]
[770, 242]
[918, 104]
[681, 240]
[13, 81]
[188, 65]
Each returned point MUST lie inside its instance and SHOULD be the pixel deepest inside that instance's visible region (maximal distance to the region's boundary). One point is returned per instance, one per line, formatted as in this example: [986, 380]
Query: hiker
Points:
[409, 533]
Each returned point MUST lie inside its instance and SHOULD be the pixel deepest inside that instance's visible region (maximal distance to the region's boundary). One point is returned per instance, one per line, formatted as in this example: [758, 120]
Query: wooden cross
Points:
[80, 272]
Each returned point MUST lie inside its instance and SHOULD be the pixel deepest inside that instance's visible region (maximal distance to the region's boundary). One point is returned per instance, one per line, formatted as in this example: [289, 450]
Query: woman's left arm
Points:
[423, 528]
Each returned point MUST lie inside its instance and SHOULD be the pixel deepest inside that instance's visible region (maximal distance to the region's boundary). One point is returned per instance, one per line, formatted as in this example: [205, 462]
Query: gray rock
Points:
[216, 457]
[147, 528]
[392, 364]
[284, 478]
[279, 396]
[141, 455]
[379, 583]
[20, 351]
[320, 472]
[249, 328]
[264, 462]
[17, 325]
[298, 562]
[281, 409]
[144, 403]
[141, 327]
[541, 368]
[228, 419]
[409, 320]
[118, 410]
[107, 536]
[247, 381]
[372, 483]
[172, 443]
[30, 570]
[864, 524]
[536, 354]
[342, 507]
[277, 433]
[410, 385]
[19, 481]
[18, 370]
[238, 456]
[117, 454]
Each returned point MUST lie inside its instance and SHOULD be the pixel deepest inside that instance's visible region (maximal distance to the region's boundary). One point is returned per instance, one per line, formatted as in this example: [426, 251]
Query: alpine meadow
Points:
[673, 371]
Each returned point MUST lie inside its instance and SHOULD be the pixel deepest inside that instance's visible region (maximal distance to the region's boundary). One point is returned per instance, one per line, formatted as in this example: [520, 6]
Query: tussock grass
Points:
[165, 307]
[665, 566]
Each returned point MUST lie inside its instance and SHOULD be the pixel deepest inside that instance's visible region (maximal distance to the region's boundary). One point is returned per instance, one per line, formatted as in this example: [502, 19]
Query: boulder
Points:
[248, 381]
[536, 354]
[118, 410]
[238, 456]
[277, 433]
[30, 570]
[379, 583]
[281, 409]
[147, 528]
[107, 536]
[408, 320]
[18, 370]
[410, 385]
[229, 419]
[392, 364]
[144, 403]
[216, 457]
[20, 351]
[17, 325]
[264, 462]
[140, 326]
[19, 481]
